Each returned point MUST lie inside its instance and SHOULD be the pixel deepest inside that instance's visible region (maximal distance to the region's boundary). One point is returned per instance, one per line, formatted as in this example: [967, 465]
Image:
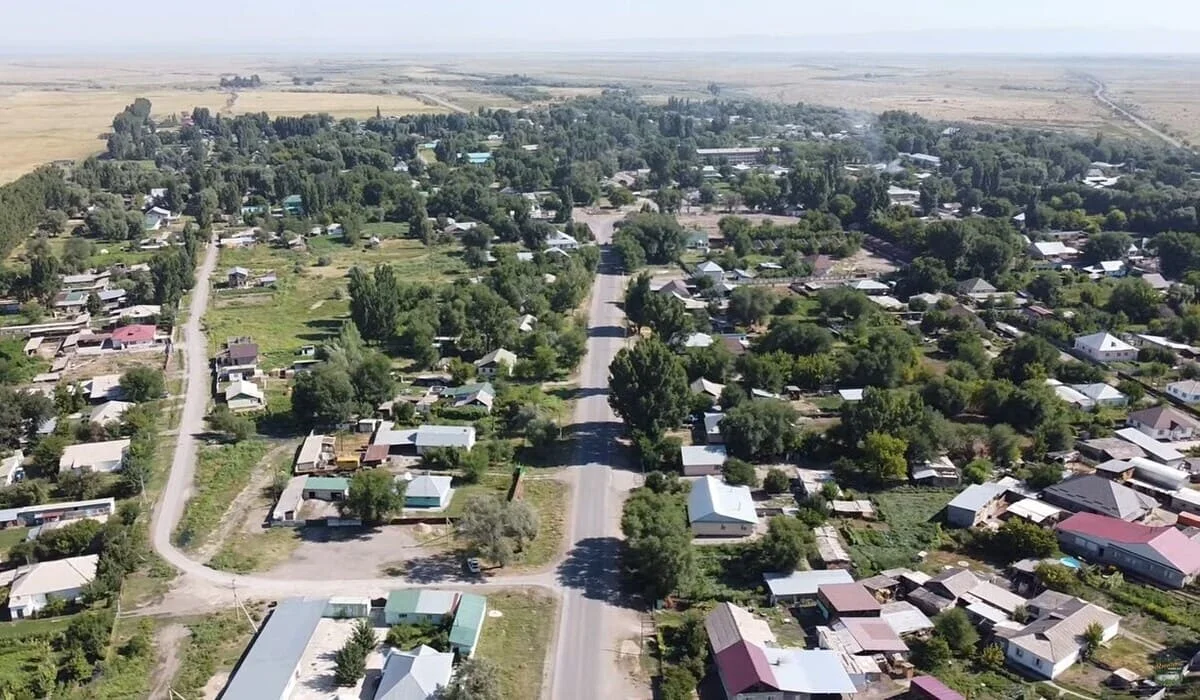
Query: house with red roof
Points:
[1162, 554]
[752, 667]
[133, 336]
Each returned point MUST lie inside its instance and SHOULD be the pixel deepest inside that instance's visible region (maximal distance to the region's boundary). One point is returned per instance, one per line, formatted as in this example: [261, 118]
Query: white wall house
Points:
[1051, 644]
[1105, 347]
[108, 456]
[35, 586]
[1187, 391]
[716, 509]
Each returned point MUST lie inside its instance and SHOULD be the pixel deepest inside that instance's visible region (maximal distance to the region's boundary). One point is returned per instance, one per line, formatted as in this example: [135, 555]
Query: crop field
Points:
[56, 109]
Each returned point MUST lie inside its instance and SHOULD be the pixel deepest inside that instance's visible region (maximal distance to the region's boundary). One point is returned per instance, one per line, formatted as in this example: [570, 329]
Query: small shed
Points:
[847, 600]
[930, 688]
[468, 623]
[347, 607]
[428, 491]
[327, 488]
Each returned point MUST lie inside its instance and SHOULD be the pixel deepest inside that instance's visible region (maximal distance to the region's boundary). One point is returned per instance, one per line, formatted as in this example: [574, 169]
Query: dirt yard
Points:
[364, 553]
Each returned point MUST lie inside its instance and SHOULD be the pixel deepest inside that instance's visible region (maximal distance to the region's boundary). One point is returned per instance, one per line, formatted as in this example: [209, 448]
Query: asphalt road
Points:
[590, 622]
[594, 617]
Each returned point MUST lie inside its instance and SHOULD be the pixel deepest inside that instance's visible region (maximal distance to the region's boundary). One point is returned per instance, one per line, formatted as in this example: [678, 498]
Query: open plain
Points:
[60, 108]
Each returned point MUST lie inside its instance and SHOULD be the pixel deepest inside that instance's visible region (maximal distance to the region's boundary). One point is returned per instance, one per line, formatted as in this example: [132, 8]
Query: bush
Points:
[777, 481]
[739, 473]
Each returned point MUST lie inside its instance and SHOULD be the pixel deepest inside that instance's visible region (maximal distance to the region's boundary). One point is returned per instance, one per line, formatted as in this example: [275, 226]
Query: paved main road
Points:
[594, 620]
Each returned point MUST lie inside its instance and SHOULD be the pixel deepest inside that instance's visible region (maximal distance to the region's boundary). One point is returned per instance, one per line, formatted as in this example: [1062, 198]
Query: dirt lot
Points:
[361, 553]
[315, 673]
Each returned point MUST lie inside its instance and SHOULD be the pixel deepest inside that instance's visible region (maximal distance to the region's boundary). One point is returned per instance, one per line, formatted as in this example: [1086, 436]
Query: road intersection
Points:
[593, 617]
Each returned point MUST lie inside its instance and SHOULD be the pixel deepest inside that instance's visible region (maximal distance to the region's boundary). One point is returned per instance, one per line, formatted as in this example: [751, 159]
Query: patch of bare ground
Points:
[245, 512]
[168, 641]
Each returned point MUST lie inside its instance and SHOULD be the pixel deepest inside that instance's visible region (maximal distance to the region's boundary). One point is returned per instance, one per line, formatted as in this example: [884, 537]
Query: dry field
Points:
[60, 108]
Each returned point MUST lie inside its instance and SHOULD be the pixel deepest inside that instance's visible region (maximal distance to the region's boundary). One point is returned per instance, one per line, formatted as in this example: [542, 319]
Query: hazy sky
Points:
[397, 26]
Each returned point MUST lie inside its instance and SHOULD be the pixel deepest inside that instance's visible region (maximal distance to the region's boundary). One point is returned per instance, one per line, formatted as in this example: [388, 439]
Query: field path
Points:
[168, 642]
[443, 102]
[1101, 94]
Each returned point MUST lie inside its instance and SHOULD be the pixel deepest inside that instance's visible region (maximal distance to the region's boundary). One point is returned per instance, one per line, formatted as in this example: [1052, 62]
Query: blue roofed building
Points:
[468, 623]
[268, 669]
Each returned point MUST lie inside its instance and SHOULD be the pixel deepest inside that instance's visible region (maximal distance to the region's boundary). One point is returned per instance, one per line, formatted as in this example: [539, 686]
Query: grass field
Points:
[517, 641]
[11, 536]
[221, 474]
[547, 496]
[310, 302]
[907, 525]
[215, 644]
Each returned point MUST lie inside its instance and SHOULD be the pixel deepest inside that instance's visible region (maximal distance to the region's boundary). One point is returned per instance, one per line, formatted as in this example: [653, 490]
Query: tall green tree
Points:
[375, 495]
[649, 388]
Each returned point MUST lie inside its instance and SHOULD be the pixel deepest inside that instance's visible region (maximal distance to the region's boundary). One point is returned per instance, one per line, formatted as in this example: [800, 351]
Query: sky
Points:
[405, 26]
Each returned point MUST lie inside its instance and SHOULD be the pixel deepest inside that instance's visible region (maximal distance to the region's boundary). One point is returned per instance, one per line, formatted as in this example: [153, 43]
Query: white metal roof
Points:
[805, 582]
[702, 455]
[1103, 342]
[711, 500]
[54, 576]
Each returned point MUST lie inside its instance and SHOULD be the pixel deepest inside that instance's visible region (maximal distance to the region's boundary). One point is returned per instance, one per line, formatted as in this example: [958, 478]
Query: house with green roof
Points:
[294, 204]
[419, 605]
[468, 623]
[327, 488]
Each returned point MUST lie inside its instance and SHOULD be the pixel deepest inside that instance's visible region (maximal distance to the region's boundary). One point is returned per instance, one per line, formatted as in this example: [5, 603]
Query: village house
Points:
[1158, 451]
[428, 437]
[35, 515]
[237, 278]
[1091, 493]
[799, 586]
[109, 412]
[414, 675]
[108, 456]
[975, 504]
[1051, 644]
[35, 586]
[836, 600]
[751, 666]
[240, 356]
[315, 454]
[244, 395]
[1162, 554]
[701, 460]
[562, 242]
[269, 668]
[327, 488]
[498, 361]
[1164, 422]
[139, 335]
[1105, 347]
[428, 491]
[1187, 391]
[716, 509]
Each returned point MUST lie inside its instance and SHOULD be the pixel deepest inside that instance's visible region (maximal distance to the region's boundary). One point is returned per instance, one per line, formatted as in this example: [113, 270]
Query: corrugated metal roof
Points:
[268, 666]
[468, 619]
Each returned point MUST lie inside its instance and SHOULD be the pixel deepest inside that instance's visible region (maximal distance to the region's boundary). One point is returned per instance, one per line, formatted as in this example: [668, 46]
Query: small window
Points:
[1020, 652]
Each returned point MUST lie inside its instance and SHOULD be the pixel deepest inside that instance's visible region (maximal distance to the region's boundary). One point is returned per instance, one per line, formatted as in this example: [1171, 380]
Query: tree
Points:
[350, 664]
[238, 428]
[363, 636]
[541, 432]
[1043, 476]
[954, 626]
[776, 481]
[43, 462]
[1109, 245]
[883, 457]
[143, 384]
[785, 545]
[372, 380]
[497, 529]
[1093, 636]
[1057, 577]
[750, 305]
[932, 654]
[475, 679]
[1019, 539]
[374, 496]
[649, 388]
[759, 430]
[324, 396]
[620, 197]
[659, 555]
[977, 471]
[678, 683]
[1134, 298]
[739, 473]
